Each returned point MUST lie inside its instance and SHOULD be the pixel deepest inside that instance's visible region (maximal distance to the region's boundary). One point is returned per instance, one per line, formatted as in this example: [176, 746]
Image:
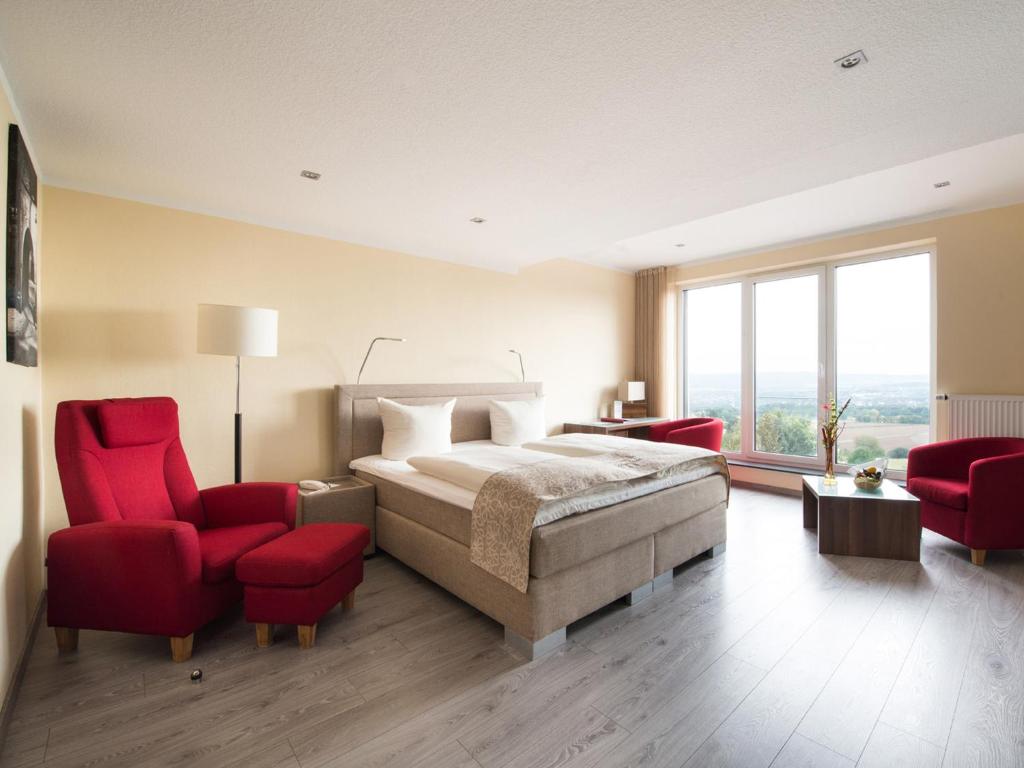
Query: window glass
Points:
[713, 352]
[786, 366]
[883, 358]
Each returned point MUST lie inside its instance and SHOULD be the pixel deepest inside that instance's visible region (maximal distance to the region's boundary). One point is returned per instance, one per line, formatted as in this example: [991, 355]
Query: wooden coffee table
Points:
[881, 523]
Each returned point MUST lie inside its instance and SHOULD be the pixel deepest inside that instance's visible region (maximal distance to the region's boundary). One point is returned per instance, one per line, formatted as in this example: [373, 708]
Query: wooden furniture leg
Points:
[978, 556]
[349, 601]
[67, 639]
[264, 635]
[181, 648]
[307, 636]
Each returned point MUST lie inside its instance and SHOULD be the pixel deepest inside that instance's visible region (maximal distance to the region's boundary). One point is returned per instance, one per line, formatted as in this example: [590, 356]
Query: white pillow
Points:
[514, 422]
[415, 430]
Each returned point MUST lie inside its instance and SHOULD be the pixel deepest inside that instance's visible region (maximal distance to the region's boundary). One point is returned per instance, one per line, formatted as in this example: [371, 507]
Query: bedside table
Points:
[348, 500]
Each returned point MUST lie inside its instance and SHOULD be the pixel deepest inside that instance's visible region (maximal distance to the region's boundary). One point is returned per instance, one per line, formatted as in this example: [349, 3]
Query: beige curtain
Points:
[653, 334]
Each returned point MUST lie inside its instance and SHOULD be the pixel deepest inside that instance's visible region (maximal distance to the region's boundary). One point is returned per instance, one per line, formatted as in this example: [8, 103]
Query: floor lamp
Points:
[237, 332]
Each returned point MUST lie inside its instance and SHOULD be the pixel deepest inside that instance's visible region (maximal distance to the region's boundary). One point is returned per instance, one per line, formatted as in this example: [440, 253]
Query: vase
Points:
[830, 466]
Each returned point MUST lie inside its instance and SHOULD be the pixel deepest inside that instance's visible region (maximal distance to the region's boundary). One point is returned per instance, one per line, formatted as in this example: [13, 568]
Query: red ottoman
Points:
[300, 576]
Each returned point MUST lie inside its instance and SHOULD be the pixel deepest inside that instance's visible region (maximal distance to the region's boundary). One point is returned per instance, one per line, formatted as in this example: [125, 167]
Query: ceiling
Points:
[586, 129]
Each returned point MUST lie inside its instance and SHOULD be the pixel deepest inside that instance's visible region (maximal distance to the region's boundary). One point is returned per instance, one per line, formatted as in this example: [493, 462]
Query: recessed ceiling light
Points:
[478, 220]
[940, 184]
[310, 175]
[680, 245]
[851, 60]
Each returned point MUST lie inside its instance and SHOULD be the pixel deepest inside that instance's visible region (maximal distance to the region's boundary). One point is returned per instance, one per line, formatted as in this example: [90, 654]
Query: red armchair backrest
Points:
[123, 460]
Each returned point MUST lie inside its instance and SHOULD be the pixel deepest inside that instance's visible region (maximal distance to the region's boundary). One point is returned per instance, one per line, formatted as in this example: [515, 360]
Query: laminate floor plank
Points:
[768, 655]
[495, 703]
[923, 699]
[24, 749]
[801, 752]
[755, 733]
[578, 738]
[326, 742]
[988, 727]
[889, 747]
[845, 713]
[671, 736]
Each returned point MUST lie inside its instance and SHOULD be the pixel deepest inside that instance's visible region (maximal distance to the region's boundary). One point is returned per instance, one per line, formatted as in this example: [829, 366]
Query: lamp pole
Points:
[238, 419]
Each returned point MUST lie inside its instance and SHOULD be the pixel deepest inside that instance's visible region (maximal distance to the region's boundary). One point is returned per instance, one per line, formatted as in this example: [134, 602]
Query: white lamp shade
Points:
[237, 331]
[632, 391]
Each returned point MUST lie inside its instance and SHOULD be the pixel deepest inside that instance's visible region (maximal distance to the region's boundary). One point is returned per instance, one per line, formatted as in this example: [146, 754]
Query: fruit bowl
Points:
[868, 476]
[866, 483]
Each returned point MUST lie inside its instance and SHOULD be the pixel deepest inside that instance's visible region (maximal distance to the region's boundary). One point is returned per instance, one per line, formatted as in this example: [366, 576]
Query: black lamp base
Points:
[238, 447]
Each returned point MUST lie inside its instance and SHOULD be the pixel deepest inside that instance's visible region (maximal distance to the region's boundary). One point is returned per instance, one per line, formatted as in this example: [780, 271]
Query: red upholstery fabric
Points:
[241, 503]
[943, 520]
[302, 605]
[131, 576]
[131, 480]
[220, 548]
[699, 432]
[304, 557]
[139, 545]
[972, 490]
[948, 493]
[141, 421]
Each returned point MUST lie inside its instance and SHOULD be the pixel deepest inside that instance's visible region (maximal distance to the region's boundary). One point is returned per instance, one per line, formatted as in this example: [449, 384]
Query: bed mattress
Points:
[446, 508]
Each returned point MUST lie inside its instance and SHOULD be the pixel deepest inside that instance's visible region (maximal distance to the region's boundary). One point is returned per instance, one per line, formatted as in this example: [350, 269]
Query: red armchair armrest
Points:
[248, 503]
[995, 503]
[126, 575]
[659, 432]
[953, 458]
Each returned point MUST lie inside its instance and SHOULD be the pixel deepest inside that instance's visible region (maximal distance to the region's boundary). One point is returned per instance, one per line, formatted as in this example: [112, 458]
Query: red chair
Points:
[147, 551]
[971, 491]
[700, 432]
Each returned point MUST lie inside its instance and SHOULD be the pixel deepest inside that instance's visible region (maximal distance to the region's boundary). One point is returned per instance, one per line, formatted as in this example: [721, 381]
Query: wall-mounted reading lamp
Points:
[522, 370]
[370, 349]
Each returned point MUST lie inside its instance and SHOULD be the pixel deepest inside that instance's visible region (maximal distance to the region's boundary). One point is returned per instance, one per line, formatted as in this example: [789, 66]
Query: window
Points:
[763, 352]
[883, 358]
[714, 373]
[786, 366]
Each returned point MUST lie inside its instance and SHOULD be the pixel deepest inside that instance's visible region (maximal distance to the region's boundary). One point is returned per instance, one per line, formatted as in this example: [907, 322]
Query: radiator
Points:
[985, 415]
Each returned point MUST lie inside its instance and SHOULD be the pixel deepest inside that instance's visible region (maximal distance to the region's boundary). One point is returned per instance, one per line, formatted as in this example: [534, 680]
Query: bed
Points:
[577, 564]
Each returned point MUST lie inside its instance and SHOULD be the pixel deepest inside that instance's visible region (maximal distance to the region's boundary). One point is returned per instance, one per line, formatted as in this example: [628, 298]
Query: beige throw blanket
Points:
[512, 502]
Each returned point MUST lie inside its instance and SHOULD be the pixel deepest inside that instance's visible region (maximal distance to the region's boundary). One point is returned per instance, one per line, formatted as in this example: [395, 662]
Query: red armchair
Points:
[147, 551]
[700, 432]
[971, 491]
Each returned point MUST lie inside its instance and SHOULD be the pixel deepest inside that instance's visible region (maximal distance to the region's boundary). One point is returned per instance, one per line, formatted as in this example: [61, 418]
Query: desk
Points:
[630, 428]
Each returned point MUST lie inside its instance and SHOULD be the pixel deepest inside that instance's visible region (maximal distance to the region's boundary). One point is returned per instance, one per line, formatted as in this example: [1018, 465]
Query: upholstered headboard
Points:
[358, 430]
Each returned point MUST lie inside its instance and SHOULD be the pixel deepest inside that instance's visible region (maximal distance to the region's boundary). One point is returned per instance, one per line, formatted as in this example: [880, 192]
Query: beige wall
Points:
[123, 279]
[979, 289]
[20, 506]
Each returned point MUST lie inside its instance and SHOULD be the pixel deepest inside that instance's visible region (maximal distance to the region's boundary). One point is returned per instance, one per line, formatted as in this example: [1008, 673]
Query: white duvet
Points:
[471, 467]
[474, 463]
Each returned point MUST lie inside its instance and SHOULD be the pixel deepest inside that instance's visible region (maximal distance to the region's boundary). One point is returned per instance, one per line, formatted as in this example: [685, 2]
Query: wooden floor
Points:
[769, 656]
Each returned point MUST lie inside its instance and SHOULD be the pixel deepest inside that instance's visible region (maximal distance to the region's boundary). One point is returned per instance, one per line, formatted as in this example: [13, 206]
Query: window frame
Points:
[827, 347]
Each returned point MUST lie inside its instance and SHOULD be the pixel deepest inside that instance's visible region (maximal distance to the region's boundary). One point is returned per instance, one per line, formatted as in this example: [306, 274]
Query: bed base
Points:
[535, 622]
[534, 649]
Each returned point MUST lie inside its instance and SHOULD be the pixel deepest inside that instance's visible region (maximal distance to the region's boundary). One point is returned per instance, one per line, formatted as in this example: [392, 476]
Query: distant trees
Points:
[786, 433]
[865, 448]
[790, 428]
[731, 418]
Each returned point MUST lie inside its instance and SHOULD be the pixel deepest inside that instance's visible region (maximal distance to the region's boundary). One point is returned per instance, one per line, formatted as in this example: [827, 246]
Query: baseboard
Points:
[11, 697]
[766, 488]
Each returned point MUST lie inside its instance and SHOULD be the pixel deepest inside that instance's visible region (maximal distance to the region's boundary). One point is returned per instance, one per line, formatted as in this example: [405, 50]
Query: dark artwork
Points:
[22, 241]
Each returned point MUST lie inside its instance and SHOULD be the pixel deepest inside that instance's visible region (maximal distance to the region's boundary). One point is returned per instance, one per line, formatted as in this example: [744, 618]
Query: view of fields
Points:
[888, 415]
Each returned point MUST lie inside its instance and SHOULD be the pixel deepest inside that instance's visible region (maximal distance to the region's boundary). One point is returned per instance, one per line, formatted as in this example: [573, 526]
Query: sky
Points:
[882, 321]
